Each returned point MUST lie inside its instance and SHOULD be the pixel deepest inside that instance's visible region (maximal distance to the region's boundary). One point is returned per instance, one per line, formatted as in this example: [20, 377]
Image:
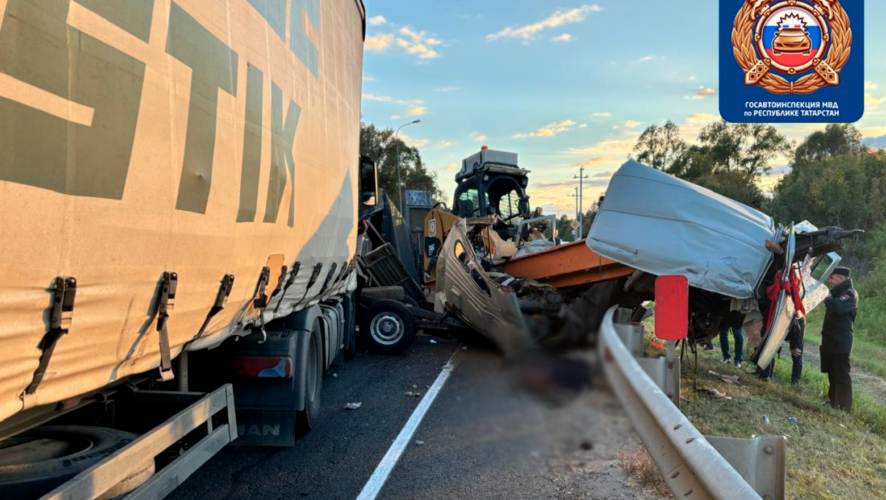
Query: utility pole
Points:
[575, 232]
[399, 182]
[576, 201]
[581, 209]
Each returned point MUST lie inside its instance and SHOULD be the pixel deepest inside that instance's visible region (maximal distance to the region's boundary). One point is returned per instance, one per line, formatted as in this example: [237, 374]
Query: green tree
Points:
[847, 190]
[835, 140]
[381, 146]
[727, 158]
[746, 147]
[660, 147]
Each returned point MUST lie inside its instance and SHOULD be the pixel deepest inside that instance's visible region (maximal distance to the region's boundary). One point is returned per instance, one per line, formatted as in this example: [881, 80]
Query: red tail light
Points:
[263, 366]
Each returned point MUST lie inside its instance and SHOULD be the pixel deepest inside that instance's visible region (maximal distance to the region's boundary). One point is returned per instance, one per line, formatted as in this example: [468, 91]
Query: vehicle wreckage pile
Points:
[743, 269]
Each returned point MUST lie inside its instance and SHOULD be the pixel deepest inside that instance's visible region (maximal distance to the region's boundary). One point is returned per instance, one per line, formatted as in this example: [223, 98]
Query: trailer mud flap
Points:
[261, 427]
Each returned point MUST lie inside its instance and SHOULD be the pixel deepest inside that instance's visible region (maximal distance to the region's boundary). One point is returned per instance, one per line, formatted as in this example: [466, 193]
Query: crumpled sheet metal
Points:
[663, 225]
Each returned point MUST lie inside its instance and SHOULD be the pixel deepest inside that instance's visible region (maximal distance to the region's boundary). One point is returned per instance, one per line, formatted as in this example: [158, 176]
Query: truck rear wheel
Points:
[307, 418]
[387, 327]
[37, 461]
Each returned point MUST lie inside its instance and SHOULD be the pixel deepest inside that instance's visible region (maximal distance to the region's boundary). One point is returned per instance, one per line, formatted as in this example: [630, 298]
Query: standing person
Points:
[836, 337]
[738, 335]
[795, 340]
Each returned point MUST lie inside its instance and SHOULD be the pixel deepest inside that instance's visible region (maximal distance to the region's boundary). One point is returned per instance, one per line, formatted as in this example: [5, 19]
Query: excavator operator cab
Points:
[491, 183]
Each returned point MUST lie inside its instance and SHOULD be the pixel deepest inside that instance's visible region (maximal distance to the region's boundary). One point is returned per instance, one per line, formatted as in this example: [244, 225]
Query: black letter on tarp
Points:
[214, 67]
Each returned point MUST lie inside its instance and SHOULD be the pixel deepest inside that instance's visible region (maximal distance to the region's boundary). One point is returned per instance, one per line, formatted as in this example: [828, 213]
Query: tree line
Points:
[382, 146]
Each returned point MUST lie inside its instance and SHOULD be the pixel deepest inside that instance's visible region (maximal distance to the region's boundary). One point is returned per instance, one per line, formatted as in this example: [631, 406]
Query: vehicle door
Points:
[487, 306]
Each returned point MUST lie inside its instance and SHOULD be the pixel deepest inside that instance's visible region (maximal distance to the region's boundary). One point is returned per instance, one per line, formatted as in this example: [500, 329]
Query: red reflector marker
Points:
[263, 366]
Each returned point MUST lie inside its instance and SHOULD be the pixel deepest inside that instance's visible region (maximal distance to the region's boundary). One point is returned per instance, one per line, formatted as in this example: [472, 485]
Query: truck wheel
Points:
[37, 461]
[387, 327]
[308, 418]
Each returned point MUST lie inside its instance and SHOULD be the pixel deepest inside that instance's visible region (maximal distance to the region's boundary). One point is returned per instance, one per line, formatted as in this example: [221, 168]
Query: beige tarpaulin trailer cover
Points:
[137, 138]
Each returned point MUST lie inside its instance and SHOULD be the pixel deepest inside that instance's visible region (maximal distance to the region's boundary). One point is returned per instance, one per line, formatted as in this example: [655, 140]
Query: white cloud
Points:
[870, 85]
[444, 144]
[368, 78]
[559, 18]
[378, 43]
[632, 124]
[873, 131]
[549, 130]
[446, 89]
[477, 136]
[601, 114]
[452, 167]
[377, 20]
[610, 153]
[646, 59]
[871, 102]
[415, 143]
[391, 100]
[703, 93]
[583, 125]
[411, 107]
[417, 43]
[693, 78]
[565, 37]
[412, 42]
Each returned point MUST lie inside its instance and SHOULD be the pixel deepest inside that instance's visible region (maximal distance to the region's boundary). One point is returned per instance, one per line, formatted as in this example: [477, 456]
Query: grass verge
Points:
[831, 455]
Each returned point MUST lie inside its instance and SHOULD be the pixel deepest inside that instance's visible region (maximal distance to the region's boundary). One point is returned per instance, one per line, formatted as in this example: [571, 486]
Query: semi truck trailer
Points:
[179, 189]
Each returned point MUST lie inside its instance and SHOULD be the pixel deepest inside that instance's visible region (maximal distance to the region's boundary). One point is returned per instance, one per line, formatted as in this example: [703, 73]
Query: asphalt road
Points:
[481, 439]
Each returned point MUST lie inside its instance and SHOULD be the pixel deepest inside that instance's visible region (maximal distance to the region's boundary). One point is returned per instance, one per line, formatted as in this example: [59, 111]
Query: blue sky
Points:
[563, 83]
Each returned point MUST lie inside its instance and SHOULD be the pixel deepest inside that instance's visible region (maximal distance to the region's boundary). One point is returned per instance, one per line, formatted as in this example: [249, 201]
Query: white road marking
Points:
[386, 466]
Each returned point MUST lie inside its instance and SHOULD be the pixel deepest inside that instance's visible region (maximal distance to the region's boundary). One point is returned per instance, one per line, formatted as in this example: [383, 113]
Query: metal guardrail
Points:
[693, 466]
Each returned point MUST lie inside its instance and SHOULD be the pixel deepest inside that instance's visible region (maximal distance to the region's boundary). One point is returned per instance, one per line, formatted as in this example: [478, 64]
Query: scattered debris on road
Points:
[714, 393]
[419, 443]
[353, 406]
[410, 394]
[730, 379]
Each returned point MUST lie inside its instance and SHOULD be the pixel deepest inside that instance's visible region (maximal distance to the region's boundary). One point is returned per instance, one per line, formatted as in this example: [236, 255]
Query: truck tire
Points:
[37, 461]
[387, 327]
[308, 418]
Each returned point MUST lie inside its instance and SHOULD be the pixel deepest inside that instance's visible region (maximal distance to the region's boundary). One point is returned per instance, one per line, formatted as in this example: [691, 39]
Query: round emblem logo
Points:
[807, 40]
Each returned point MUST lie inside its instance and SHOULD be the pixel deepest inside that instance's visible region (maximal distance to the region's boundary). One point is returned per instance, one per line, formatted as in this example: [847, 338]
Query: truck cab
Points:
[492, 183]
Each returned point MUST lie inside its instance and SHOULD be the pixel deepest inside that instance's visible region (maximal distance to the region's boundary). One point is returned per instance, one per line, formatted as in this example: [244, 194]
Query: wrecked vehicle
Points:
[744, 270]
[500, 267]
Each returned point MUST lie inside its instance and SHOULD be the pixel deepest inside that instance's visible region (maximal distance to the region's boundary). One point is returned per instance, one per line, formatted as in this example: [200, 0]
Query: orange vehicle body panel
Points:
[566, 266]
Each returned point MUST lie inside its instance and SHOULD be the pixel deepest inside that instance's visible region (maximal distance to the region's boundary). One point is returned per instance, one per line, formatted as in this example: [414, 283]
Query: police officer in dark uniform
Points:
[836, 337]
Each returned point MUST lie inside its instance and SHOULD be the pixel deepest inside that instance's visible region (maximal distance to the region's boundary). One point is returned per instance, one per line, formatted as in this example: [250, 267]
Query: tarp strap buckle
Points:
[166, 303]
[221, 299]
[261, 298]
[61, 315]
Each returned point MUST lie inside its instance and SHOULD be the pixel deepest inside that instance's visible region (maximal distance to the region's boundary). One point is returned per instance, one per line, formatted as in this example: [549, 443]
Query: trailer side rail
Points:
[104, 475]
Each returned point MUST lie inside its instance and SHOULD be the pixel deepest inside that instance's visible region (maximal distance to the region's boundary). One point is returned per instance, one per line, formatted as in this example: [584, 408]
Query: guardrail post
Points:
[692, 468]
[761, 461]
[665, 372]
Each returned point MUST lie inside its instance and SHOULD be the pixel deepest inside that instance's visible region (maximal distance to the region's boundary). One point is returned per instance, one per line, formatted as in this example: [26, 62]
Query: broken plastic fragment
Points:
[353, 406]
[411, 394]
